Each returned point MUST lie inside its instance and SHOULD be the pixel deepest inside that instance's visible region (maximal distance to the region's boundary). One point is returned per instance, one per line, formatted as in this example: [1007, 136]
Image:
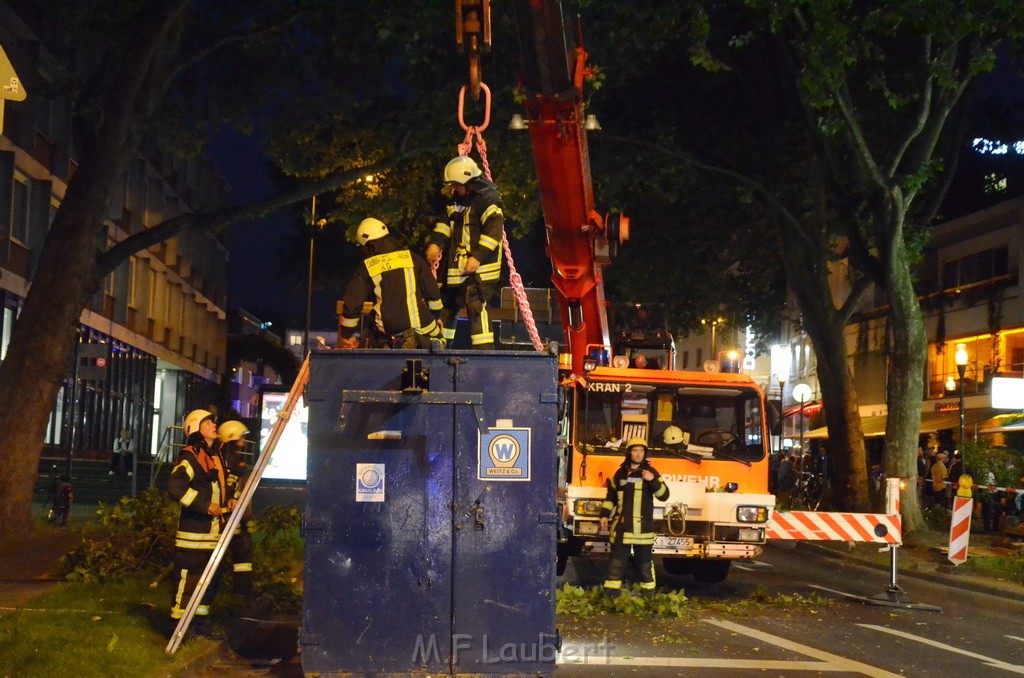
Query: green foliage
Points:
[277, 557]
[632, 601]
[789, 600]
[134, 536]
[1006, 466]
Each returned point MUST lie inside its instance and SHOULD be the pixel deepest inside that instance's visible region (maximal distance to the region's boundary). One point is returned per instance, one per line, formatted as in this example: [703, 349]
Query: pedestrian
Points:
[938, 478]
[123, 458]
[629, 511]
[956, 468]
[785, 473]
[407, 301]
[199, 484]
[232, 451]
[922, 469]
[472, 235]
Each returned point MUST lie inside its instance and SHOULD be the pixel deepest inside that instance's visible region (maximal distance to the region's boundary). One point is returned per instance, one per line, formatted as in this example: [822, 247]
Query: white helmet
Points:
[370, 229]
[461, 169]
[231, 430]
[673, 435]
[194, 419]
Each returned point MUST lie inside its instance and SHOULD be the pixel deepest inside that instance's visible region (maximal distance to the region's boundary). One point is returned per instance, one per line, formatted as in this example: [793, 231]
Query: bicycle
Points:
[62, 495]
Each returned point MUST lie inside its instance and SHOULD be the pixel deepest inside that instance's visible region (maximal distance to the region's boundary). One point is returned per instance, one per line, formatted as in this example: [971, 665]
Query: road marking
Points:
[709, 663]
[839, 663]
[995, 663]
[750, 567]
[1015, 638]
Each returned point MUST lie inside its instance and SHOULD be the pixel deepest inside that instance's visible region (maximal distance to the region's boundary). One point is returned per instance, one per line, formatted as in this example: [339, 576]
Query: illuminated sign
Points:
[288, 461]
[1007, 393]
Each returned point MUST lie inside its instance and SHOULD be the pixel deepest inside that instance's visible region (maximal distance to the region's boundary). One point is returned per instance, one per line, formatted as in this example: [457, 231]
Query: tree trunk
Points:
[39, 353]
[905, 387]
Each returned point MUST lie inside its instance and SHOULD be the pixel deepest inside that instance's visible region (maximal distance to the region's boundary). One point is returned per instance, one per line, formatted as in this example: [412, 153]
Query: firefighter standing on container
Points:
[629, 509]
[407, 302]
[232, 443]
[472, 235]
[198, 483]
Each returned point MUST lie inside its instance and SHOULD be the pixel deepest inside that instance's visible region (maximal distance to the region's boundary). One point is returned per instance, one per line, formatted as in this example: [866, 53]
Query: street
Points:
[975, 634]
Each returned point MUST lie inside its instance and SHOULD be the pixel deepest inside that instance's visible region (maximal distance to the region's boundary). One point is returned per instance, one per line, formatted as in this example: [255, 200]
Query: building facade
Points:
[152, 341]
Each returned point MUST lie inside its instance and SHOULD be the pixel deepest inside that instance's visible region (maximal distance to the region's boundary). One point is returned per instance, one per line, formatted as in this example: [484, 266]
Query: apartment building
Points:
[157, 330]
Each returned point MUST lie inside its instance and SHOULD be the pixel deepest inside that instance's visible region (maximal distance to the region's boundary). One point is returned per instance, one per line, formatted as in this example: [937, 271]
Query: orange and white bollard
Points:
[960, 522]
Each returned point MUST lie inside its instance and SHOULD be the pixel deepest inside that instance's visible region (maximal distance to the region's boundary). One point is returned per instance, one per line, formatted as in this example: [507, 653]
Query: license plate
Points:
[684, 543]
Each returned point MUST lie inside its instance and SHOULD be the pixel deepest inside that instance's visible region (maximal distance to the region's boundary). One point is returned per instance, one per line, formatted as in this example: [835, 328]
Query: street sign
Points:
[10, 85]
[960, 529]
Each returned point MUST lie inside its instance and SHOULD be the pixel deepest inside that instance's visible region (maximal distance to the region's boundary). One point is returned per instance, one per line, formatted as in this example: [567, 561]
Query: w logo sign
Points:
[505, 455]
[504, 452]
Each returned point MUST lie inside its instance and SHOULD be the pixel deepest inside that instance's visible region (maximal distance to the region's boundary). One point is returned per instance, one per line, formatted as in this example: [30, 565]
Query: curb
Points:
[973, 583]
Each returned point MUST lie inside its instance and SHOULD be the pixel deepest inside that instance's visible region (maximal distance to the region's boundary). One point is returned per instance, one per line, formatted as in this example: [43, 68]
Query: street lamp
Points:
[961, 368]
[714, 324]
[802, 393]
[309, 279]
[782, 359]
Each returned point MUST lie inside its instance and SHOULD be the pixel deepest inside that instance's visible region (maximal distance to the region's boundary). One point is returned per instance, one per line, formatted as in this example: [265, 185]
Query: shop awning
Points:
[931, 422]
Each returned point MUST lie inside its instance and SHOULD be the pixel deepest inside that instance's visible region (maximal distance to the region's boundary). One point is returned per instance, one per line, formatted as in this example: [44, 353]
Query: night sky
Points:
[255, 280]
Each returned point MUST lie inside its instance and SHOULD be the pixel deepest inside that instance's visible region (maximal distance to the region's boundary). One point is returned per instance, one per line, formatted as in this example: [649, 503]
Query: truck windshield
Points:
[693, 422]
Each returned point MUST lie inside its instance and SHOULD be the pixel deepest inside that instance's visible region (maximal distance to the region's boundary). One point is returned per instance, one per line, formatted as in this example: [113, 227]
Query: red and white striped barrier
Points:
[819, 526]
[879, 528]
[960, 529]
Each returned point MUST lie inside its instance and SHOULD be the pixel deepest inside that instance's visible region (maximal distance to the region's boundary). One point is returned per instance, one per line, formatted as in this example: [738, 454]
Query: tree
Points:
[124, 69]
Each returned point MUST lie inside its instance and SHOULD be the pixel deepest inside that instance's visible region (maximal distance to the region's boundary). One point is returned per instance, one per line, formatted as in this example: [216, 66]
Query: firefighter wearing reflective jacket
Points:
[407, 302]
[199, 484]
[232, 446]
[629, 508]
[472, 236]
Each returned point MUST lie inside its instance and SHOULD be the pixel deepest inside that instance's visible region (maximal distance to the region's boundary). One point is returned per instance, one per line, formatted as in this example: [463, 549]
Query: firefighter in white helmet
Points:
[628, 516]
[407, 302]
[472, 237]
[232, 451]
[199, 484]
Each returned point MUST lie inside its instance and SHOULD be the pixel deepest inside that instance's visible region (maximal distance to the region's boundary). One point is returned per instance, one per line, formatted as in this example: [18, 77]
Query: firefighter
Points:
[473, 235]
[407, 302]
[199, 484]
[232, 444]
[629, 509]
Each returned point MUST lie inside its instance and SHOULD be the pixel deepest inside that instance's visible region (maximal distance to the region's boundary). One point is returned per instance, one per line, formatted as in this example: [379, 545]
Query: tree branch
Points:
[922, 113]
[108, 261]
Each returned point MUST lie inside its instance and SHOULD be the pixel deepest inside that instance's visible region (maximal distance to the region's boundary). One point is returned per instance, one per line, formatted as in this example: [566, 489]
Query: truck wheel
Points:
[677, 566]
[711, 571]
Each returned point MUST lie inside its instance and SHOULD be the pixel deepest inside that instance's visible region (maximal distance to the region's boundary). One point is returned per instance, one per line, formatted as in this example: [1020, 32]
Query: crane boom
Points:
[553, 89]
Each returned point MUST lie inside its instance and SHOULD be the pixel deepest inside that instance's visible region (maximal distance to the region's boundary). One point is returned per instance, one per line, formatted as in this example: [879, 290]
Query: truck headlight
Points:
[751, 514]
[587, 507]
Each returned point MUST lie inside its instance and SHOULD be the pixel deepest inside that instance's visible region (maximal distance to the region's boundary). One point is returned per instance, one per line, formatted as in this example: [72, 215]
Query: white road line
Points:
[1015, 638]
[995, 663]
[705, 663]
[840, 663]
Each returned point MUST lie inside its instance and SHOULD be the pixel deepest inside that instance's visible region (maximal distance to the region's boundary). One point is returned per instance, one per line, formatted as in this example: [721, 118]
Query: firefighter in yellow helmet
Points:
[407, 302]
[199, 484]
[628, 515]
[472, 236]
[232, 451]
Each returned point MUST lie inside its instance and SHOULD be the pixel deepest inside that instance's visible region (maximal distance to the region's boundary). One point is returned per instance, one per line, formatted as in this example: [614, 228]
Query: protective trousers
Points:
[617, 565]
[188, 566]
[472, 297]
[241, 561]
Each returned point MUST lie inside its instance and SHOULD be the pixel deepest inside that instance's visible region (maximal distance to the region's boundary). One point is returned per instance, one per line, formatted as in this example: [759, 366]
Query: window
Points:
[133, 284]
[19, 209]
[975, 268]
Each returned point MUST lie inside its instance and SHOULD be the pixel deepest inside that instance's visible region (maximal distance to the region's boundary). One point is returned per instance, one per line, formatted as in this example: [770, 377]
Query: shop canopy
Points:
[931, 422]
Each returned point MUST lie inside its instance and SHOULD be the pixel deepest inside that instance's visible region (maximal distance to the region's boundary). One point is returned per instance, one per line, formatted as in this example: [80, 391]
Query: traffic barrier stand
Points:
[882, 528]
[960, 522]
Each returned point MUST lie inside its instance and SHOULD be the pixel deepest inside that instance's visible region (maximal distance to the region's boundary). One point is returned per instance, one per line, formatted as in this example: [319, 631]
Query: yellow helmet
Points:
[231, 430]
[673, 435]
[461, 169]
[194, 418]
[633, 442]
[370, 229]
